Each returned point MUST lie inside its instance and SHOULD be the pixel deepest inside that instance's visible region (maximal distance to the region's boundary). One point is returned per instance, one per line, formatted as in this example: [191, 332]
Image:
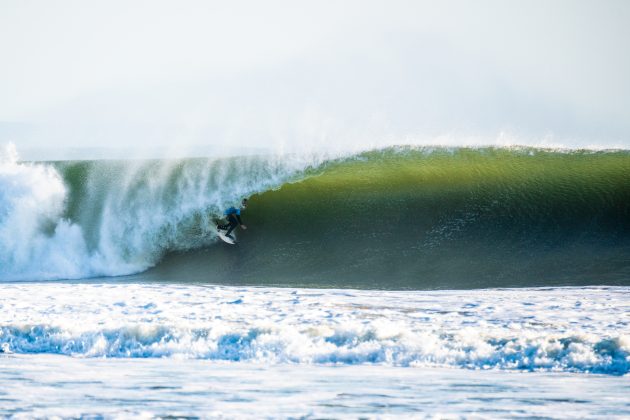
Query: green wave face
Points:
[424, 219]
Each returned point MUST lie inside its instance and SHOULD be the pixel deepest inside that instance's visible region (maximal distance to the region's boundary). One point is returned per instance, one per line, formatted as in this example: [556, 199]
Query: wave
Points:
[400, 217]
[79, 219]
[573, 330]
[345, 347]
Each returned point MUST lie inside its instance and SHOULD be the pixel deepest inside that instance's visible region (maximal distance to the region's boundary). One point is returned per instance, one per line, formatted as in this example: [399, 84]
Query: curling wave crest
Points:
[80, 219]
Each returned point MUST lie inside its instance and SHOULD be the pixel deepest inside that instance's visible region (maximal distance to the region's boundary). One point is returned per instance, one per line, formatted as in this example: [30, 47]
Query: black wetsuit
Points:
[233, 221]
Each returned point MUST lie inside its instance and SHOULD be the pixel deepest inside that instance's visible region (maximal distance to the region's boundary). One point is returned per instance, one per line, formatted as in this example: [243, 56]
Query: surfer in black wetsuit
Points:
[233, 216]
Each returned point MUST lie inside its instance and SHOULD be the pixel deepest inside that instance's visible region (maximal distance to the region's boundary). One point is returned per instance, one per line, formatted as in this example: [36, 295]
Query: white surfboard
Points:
[224, 238]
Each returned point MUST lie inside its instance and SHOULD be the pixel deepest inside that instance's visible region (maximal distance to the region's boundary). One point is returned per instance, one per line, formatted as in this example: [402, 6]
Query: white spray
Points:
[127, 214]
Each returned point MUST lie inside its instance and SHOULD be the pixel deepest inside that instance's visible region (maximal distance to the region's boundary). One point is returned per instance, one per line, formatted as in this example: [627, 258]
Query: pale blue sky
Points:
[287, 74]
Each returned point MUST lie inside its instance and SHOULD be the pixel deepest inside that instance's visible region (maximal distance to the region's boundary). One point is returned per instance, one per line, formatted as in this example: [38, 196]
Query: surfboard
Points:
[225, 238]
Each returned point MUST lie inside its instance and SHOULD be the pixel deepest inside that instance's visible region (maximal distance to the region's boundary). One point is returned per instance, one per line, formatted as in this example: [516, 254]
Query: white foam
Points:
[35, 239]
[129, 215]
[566, 329]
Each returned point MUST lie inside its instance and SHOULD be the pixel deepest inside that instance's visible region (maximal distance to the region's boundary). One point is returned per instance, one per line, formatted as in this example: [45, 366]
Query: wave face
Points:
[395, 218]
[566, 329]
[444, 218]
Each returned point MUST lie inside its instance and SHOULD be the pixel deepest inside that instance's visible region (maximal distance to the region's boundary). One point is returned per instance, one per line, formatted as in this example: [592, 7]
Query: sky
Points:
[292, 75]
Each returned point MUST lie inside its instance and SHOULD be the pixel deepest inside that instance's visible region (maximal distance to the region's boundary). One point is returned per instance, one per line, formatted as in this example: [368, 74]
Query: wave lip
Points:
[82, 219]
[566, 329]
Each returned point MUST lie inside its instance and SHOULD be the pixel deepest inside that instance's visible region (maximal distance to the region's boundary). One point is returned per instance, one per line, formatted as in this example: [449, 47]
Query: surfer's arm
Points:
[240, 222]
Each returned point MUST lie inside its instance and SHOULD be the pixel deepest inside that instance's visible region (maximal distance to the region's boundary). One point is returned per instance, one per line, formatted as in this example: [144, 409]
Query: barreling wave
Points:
[393, 218]
[79, 219]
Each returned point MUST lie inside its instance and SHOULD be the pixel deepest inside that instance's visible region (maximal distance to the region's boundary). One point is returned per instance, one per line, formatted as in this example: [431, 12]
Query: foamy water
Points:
[128, 216]
[67, 387]
[565, 329]
[156, 350]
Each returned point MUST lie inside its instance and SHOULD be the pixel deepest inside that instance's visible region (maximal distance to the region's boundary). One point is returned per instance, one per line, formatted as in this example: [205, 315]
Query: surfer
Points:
[233, 216]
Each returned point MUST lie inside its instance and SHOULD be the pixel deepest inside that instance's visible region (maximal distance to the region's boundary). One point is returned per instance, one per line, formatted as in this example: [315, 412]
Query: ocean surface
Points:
[61, 387]
[400, 282]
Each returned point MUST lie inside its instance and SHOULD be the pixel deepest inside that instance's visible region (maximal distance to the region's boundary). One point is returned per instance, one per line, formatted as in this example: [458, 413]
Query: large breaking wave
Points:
[393, 218]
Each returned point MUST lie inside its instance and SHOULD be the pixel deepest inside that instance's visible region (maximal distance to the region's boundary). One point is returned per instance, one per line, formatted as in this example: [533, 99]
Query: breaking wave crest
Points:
[69, 220]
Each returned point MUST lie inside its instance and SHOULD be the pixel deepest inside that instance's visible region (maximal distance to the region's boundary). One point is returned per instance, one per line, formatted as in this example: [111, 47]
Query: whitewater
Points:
[117, 217]
[565, 329]
[129, 350]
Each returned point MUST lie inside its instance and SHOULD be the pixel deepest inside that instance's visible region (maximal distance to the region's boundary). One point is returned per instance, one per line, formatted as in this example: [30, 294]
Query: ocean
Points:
[420, 282]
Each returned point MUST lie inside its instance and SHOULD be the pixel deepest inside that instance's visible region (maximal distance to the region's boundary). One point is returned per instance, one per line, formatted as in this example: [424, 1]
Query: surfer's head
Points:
[244, 203]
